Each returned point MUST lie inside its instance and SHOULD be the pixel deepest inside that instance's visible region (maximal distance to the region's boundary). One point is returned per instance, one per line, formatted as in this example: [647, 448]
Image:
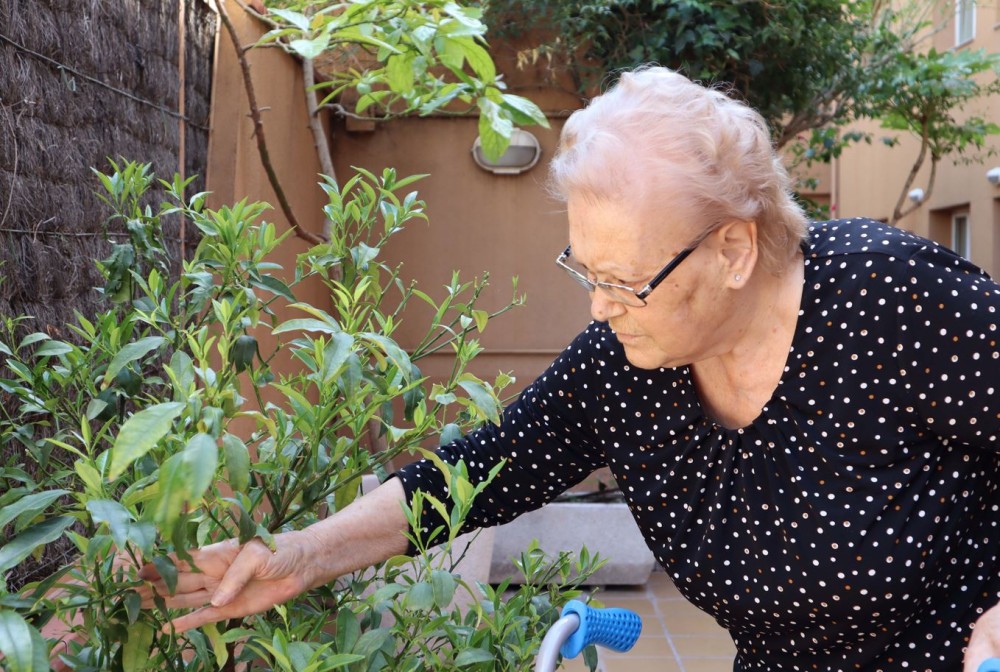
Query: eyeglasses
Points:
[622, 293]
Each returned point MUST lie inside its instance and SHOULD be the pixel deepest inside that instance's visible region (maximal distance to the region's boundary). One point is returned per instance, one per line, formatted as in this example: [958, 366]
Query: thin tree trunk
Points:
[898, 211]
[927, 193]
[320, 138]
[258, 125]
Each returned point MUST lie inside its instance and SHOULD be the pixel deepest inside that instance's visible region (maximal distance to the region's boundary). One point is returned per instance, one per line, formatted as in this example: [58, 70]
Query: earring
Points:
[737, 277]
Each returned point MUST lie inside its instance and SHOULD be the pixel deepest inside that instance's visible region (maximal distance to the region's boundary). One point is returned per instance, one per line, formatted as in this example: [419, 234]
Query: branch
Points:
[898, 212]
[928, 191]
[319, 135]
[258, 125]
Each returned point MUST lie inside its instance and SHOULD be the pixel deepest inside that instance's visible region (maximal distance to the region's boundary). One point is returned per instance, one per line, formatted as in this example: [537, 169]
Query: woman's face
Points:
[685, 319]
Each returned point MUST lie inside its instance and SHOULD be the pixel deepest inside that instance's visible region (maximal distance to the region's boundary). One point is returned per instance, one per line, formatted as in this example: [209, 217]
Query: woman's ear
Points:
[736, 242]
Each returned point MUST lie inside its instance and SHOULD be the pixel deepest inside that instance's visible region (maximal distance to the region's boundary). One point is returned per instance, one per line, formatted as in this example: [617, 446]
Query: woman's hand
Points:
[985, 640]
[227, 580]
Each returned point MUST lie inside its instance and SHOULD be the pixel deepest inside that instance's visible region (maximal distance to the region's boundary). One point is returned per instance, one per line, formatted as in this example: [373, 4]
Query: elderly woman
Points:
[803, 419]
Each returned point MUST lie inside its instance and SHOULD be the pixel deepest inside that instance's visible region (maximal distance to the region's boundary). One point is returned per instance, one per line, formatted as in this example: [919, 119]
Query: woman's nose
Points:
[603, 307]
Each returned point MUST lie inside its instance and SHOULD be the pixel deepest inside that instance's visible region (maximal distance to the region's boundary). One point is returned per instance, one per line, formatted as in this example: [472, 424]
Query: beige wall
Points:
[871, 176]
[505, 225]
[234, 168]
[479, 222]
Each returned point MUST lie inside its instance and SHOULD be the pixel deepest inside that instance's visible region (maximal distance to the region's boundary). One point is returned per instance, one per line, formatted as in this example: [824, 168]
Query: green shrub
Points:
[164, 424]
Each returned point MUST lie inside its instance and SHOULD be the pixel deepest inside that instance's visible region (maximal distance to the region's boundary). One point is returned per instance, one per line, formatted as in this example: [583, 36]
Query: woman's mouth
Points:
[626, 339]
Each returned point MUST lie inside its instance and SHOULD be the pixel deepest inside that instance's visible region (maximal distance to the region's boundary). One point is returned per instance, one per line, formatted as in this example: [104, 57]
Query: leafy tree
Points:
[925, 97]
[811, 67]
[393, 57]
[798, 62]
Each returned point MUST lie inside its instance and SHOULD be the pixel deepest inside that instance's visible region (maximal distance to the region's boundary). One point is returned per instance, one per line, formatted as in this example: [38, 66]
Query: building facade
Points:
[962, 210]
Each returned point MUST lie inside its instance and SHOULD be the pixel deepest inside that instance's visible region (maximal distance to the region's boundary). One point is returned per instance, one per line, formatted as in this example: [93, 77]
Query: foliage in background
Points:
[799, 63]
[377, 59]
[927, 97]
[811, 67]
[404, 57]
[160, 449]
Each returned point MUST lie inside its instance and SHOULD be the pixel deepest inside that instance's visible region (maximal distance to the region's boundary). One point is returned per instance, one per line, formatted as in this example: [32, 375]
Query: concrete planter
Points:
[607, 529]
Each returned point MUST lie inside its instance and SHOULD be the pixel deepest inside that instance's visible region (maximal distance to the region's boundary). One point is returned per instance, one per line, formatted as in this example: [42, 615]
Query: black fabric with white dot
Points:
[854, 524]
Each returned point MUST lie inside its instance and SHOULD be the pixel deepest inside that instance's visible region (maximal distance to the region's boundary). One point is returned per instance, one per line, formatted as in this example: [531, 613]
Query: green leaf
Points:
[140, 434]
[218, 644]
[181, 371]
[525, 110]
[494, 129]
[299, 654]
[201, 459]
[24, 544]
[33, 338]
[473, 656]
[243, 352]
[480, 61]
[174, 493]
[275, 286]
[348, 630]
[116, 516]
[53, 348]
[371, 641]
[237, 458]
[297, 19]
[481, 398]
[451, 432]
[167, 570]
[420, 597]
[443, 584]
[392, 350]
[130, 353]
[482, 318]
[133, 606]
[30, 506]
[22, 647]
[266, 537]
[143, 535]
[90, 476]
[306, 324]
[311, 49]
[400, 72]
[135, 652]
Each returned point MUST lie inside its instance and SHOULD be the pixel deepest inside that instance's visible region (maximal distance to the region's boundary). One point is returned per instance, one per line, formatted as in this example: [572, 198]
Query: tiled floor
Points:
[676, 637]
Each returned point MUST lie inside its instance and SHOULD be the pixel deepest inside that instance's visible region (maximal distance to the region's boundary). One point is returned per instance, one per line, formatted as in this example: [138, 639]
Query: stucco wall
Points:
[504, 225]
[479, 222]
[871, 176]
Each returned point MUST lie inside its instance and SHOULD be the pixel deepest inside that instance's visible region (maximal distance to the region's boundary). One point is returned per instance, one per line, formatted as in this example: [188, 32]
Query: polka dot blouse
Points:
[854, 524]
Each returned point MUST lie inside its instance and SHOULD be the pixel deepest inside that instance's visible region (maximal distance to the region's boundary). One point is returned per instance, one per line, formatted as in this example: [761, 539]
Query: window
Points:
[960, 237]
[965, 21]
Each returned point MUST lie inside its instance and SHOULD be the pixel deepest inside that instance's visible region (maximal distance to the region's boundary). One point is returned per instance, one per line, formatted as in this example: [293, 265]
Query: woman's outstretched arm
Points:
[228, 580]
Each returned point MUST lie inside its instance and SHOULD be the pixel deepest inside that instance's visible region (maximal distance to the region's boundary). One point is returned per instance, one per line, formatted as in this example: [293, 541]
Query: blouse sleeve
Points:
[544, 438]
[948, 322]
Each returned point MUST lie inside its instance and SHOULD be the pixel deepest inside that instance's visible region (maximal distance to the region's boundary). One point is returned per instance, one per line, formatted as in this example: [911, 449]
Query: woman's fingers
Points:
[248, 564]
[196, 619]
[188, 600]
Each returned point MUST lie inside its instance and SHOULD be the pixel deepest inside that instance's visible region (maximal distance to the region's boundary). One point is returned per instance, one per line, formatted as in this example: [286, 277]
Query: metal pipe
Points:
[561, 630]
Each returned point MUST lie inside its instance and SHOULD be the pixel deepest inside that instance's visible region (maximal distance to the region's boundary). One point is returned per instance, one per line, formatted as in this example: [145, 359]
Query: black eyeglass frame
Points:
[612, 289]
